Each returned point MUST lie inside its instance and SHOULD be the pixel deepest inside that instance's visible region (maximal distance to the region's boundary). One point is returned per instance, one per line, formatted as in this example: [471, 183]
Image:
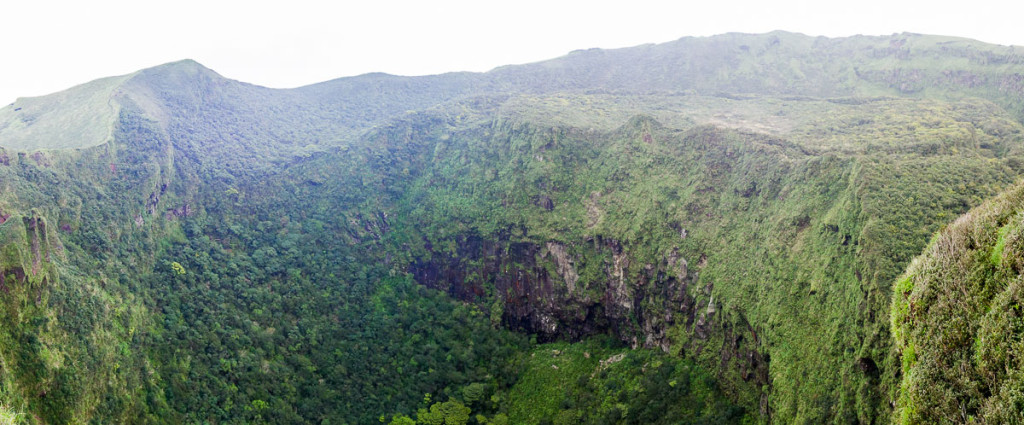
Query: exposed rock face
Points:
[534, 300]
[564, 264]
[183, 211]
[35, 227]
[637, 302]
[17, 275]
[678, 263]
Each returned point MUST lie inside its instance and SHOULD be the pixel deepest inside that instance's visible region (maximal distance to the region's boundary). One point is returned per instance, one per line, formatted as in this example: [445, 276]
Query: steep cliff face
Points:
[539, 291]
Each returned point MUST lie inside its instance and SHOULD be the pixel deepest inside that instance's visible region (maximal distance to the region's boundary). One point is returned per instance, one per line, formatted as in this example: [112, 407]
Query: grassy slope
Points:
[80, 117]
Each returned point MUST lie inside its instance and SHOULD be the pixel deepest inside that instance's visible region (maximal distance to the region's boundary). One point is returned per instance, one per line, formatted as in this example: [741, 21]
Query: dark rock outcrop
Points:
[541, 292]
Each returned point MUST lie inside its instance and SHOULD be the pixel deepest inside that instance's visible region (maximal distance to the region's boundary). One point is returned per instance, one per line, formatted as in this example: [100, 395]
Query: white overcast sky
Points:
[50, 45]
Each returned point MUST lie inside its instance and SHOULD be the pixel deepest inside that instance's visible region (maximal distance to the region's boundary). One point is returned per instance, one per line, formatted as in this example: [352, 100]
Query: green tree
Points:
[451, 412]
[401, 420]
[177, 268]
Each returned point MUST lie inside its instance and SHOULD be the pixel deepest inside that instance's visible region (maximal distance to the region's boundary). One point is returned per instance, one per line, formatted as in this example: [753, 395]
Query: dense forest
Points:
[711, 230]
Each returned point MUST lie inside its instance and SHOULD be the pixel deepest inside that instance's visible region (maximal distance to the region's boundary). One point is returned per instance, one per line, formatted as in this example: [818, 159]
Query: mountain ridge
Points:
[747, 60]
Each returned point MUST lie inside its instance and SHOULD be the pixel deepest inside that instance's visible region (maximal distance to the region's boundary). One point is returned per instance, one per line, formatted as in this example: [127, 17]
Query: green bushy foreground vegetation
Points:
[598, 239]
[957, 321]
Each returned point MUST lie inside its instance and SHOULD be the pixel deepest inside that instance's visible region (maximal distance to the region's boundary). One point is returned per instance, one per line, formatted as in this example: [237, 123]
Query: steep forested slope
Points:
[753, 254]
[180, 247]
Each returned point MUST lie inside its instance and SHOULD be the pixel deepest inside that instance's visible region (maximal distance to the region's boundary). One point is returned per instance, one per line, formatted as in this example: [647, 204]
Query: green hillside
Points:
[703, 231]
